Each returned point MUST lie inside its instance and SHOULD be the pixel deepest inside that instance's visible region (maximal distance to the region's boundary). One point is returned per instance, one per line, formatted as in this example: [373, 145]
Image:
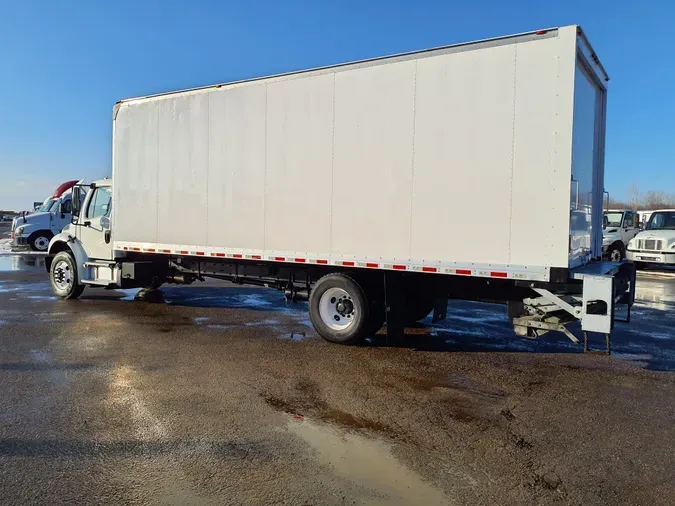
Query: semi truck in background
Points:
[655, 245]
[348, 186]
[35, 230]
[619, 227]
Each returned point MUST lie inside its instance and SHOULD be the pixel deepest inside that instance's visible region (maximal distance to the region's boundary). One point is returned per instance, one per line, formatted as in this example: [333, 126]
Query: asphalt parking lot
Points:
[223, 395]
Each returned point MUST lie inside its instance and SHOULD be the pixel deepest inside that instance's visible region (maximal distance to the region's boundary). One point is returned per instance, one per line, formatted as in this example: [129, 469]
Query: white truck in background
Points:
[619, 226]
[35, 230]
[656, 243]
[347, 186]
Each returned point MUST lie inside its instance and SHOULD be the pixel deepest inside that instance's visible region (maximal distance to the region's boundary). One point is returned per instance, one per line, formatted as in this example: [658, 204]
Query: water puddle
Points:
[22, 263]
[368, 464]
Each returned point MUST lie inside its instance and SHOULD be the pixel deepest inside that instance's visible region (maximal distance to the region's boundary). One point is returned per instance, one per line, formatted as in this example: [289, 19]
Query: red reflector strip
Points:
[165, 250]
[498, 274]
[256, 257]
[150, 250]
[237, 255]
[348, 264]
[540, 32]
[322, 262]
[429, 269]
[300, 260]
[463, 271]
[280, 259]
[398, 267]
[373, 265]
[182, 252]
[125, 248]
[200, 253]
[136, 249]
[217, 254]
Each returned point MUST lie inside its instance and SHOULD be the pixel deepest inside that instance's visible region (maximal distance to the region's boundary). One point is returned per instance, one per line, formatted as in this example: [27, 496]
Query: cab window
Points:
[100, 203]
[629, 221]
[66, 206]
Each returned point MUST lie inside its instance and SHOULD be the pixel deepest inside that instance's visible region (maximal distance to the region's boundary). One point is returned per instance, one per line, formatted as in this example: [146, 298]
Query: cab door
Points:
[94, 230]
[630, 227]
[62, 215]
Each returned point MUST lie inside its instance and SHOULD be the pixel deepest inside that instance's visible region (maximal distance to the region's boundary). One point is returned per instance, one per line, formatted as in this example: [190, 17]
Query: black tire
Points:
[418, 307]
[39, 241]
[62, 269]
[616, 252]
[359, 317]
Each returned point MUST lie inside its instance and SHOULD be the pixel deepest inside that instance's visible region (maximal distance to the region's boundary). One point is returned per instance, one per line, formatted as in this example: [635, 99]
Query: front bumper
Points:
[18, 241]
[652, 257]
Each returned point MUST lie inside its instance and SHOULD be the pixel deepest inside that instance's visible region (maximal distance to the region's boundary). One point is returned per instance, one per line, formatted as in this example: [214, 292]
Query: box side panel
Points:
[299, 165]
[236, 193]
[372, 173]
[541, 180]
[463, 156]
[183, 167]
[135, 173]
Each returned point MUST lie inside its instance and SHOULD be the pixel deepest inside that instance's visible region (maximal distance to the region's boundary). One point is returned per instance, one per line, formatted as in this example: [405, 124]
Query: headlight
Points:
[18, 230]
[631, 244]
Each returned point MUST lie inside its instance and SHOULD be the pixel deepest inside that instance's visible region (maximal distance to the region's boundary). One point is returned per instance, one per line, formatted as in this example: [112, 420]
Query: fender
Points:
[65, 241]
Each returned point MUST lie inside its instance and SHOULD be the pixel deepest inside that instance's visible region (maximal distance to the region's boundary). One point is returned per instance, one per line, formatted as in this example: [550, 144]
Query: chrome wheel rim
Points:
[336, 309]
[63, 276]
[615, 256]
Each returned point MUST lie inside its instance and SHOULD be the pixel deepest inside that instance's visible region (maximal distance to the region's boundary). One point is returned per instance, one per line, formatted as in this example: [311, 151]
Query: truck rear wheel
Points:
[63, 276]
[338, 309]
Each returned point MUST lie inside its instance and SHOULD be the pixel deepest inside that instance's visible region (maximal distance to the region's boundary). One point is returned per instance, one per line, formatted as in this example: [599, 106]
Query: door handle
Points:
[87, 224]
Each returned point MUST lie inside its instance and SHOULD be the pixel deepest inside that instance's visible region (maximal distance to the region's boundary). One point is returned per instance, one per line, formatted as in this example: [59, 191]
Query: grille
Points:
[650, 244]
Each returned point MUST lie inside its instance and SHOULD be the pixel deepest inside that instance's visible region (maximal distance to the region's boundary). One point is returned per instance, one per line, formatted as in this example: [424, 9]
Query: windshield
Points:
[662, 221]
[46, 206]
[612, 219]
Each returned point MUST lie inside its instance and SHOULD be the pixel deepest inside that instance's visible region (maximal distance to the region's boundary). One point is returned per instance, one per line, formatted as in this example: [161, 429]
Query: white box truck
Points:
[349, 186]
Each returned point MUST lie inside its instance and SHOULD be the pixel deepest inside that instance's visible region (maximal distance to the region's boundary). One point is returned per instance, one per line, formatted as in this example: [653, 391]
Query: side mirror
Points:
[76, 204]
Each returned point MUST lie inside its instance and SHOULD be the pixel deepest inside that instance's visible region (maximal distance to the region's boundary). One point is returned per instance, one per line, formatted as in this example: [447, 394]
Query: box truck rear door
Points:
[586, 185]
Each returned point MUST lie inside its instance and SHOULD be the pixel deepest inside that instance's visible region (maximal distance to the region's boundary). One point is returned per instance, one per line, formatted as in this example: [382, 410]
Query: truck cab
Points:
[656, 243]
[36, 230]
[619, 226]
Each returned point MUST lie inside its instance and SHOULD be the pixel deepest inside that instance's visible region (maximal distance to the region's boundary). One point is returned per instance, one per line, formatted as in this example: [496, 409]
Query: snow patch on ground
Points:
[6, 250]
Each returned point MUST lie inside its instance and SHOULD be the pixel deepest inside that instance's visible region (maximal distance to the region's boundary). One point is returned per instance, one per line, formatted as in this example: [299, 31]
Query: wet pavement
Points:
[224, 395]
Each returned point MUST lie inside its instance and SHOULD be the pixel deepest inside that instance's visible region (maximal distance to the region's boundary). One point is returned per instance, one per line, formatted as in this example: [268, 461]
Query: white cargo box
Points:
[484, 159]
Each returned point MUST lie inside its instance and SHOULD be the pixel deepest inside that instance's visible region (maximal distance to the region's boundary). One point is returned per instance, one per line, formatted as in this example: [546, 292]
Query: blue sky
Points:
[64, 64]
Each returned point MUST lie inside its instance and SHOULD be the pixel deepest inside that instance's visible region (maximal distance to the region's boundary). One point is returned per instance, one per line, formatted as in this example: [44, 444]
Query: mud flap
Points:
[440, 310]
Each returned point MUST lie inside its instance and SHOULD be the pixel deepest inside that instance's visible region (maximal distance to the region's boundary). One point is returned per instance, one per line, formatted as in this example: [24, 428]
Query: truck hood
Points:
[36, 219]
[657, 234]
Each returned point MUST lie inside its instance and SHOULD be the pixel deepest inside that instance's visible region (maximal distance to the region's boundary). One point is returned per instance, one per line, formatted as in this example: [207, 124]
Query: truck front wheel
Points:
[616, 252]
[39, 241]
[63, 276]
[338, 309]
